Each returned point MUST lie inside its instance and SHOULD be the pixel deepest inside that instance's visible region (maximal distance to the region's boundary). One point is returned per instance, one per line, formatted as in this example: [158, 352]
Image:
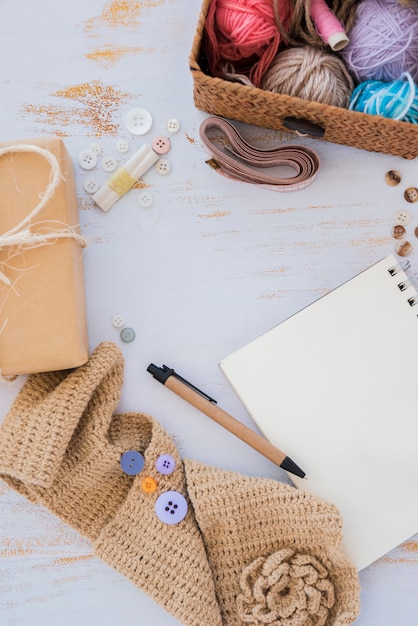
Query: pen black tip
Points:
[159, 373]
[290, 466]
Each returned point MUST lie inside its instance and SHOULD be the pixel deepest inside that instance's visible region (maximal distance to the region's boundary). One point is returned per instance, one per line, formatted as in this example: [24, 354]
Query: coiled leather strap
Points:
[241, 161]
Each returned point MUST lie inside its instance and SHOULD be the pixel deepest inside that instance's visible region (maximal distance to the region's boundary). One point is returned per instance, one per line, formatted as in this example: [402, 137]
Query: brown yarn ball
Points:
[311, 74]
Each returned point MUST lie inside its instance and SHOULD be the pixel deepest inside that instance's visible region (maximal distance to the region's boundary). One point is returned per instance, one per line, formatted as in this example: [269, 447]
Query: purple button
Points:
[165, 464]
[171, 507]
[132, 462]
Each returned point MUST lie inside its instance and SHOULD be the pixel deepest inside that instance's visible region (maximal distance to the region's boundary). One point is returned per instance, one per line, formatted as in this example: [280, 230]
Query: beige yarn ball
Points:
[311, 74]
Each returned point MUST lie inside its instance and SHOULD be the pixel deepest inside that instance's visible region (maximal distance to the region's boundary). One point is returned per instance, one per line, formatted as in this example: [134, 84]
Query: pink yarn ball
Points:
[244, 33]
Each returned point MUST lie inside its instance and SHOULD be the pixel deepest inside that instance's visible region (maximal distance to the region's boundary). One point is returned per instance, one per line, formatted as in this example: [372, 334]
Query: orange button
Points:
[149, 484]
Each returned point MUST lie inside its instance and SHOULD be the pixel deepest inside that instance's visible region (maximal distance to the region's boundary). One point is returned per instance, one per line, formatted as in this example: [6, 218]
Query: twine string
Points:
[21, 234]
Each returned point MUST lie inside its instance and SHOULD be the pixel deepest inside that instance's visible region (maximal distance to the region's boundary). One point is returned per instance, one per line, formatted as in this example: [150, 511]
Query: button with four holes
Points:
[96, 148]
[132, 462]
[165, 464]
[149, 484]
[411, 194]
[118, 321]
[87, 159]
[402, 217]
[163, 166]
[173, 125]
[171, 507]
[122, 146]
[91, 185]
[109, 163]
[145, 198]
[138, 121]
[127, 334]
[161, 144]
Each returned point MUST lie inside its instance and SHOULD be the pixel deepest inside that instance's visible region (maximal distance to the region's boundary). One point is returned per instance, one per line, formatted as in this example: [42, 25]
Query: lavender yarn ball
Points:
[383, 41]
[311, 74]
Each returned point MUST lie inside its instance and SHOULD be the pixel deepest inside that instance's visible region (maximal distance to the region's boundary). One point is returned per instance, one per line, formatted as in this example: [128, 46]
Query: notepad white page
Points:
[336, 387]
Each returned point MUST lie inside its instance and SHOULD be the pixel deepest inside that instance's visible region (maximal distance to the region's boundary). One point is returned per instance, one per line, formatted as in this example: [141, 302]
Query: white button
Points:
[173, 125]
[138, 121]
[145, 198]
[163, 166]
[122, 146]
[402, 217]
[87, 159]
[109, 164]
[96, 148]
[118, 321]
[91, 185]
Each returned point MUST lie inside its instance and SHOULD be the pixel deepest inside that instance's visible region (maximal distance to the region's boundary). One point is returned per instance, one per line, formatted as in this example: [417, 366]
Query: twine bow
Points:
[21, 234]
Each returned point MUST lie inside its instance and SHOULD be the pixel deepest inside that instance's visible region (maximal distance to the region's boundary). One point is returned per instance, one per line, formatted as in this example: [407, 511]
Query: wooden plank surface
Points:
[209, 266]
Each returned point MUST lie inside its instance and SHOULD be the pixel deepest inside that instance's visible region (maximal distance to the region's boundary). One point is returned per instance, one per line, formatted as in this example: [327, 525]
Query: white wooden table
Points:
[212, 264]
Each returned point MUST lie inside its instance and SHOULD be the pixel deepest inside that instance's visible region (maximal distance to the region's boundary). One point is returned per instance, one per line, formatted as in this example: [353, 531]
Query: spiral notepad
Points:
[335, 385]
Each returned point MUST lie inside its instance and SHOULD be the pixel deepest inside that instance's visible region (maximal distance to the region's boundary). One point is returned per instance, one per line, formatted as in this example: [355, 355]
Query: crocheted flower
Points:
[285, 589]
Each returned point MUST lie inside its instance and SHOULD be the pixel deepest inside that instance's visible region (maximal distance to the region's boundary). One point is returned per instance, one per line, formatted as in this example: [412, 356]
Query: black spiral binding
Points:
[403, 286]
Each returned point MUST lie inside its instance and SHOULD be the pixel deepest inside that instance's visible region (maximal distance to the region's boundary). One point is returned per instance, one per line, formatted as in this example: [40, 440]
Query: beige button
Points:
[393, 178]
[411, 194]
[398, 231]
[403, 248]
[402, 217]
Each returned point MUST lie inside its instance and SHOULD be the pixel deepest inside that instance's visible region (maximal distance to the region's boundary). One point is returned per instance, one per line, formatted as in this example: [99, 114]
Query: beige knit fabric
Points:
[275, 551]
[249, 551]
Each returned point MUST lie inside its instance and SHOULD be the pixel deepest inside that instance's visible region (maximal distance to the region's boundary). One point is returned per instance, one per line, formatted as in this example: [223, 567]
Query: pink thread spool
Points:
[328, 26]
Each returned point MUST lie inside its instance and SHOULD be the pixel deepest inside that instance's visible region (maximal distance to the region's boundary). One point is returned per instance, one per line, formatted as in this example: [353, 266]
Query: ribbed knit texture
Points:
[60, 445]
[251, 523]
[248, 550]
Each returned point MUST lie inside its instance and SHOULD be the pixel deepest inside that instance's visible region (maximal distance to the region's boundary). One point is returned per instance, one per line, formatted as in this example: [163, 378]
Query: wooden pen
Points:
[207, 405]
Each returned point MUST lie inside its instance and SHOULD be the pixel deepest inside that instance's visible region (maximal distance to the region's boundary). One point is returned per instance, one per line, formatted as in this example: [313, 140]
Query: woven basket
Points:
[270, 110]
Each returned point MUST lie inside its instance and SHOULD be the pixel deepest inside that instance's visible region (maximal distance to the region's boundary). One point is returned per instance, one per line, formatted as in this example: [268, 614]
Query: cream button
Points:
[109, 163]
[138, 121]
[96, 148]
[402, 217]
[122, 146]
[87, 159]
[145, 198]
[173, 125]
[118, 321]
[163, 167]
[91, 185]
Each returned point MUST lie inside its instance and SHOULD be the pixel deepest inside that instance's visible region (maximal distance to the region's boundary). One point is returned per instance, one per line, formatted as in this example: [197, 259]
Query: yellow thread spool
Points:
[121, 181]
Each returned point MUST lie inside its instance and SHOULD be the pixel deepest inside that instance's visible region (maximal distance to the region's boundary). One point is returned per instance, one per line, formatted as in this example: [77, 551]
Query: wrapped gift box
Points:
[42, 300]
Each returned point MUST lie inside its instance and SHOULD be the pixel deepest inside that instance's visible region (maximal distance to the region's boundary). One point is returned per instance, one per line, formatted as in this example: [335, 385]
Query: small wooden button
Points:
[393, 178]
[398, 231]
[411, 194]
[403, 248]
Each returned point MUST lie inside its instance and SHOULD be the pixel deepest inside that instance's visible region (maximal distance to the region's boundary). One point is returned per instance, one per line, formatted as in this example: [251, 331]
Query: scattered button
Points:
[122, 146]
[171, 507]
[109, 163]
[87, 159]
[118, 321]
[416, 231]
[96, 148]
[132, 462]
[398, 231]
[173, 125]
[165, 464]
[403, 248]
[149, 484]
[145, 198]
[138, 121]
[163, 166]
[91, 185]
[411, 194]
[161, 144]
[402, 217]
[127, 335]
[393, 178]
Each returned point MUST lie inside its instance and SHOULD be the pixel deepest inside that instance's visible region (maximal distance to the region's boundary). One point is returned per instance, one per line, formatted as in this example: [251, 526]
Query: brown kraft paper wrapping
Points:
[42, 299]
